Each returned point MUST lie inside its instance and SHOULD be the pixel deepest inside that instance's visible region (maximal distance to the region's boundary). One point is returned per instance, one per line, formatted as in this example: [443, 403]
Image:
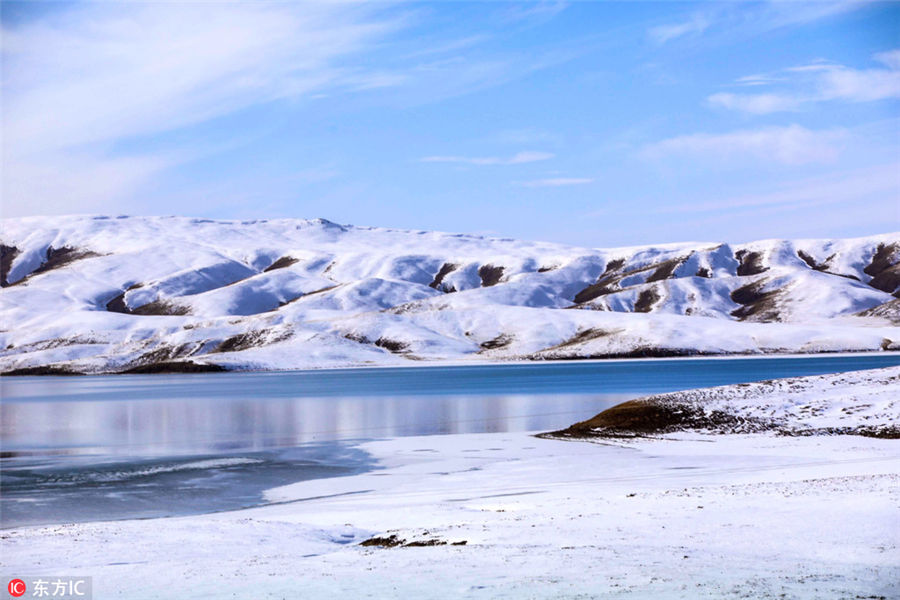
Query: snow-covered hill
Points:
[92, 294]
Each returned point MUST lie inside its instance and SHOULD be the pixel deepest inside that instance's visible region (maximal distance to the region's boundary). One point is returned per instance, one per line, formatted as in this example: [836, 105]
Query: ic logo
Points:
[16, 587]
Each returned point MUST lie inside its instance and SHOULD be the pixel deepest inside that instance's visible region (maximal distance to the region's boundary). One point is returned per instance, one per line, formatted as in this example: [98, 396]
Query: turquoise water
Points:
[84, 448]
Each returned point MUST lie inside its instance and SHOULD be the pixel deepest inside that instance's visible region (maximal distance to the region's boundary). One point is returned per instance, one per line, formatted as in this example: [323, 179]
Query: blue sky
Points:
[592, 123]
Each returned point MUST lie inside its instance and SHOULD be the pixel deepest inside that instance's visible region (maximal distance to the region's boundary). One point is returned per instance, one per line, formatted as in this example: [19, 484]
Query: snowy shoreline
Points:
[426, 364]
[853, 403]
[685, 515]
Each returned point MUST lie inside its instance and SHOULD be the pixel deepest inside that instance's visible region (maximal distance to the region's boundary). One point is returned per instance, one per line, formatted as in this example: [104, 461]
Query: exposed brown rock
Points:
[60, 257]
[823, 267]
[751, 263]
[666, 269]
[632, 417]
[161, 308]
[490, 275]
[175, 367]
[608, 283]
[756, 303]
[890, 310]
[42, 370]
[437, 282]
[642, 352]
[359, 339]
[155, 308]
[614, 265]
[251, 339]
[583, 336]
[391, 345]
[295, 298]
[7, 255]
[165, 353]
[883, 258]
[118, 305]
[809, 260]
[281, 263]
[646, 299]
[54, 259]
[391, 541]
[885, 268]
[603, 287]
[501, 341]
[425, 543]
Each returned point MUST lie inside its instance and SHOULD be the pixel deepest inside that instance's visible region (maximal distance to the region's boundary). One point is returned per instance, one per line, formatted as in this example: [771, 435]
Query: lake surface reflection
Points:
[82, 448]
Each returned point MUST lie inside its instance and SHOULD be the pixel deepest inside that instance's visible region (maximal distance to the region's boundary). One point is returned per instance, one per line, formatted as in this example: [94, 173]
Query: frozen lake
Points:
[109, 447]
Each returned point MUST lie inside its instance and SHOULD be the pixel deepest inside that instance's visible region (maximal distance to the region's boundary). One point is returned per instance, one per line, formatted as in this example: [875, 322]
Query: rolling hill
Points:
[91, 294]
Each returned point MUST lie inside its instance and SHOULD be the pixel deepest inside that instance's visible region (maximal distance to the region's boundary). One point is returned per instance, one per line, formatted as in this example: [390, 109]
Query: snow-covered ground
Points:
[854, 403]
[685, 515]
[95, 294]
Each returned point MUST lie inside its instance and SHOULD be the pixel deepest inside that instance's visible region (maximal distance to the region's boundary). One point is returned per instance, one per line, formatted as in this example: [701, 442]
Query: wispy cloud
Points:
[726, 21]
[758, 104]
[517, 159]
[554, 182]
[758, 79]
[850, 186]
[859, 85]
[818, 82]
[540, 11]
[85, 79]
[103, 72]
[446, 46]
[696, 25]
[85, 86]
[791, 145]
[786, 13]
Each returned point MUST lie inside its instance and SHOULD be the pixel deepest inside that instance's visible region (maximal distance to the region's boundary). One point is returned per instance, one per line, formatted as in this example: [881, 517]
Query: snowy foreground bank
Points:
[686, 515]
[856, 403]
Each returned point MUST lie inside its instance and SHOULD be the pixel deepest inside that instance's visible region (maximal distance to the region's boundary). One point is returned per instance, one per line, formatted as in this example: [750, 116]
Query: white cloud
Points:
[842, 83]
[818, 82]
[444, 47]
[728, 21]
[82, 80]
[555, 182]
[757, 79]
[759, 104]
[540, 11]
[517, 159]
[665, 33]
[890, 58]
[849, 187]
[791, 145]
[776, 14]
[91, 90]
[104, 72]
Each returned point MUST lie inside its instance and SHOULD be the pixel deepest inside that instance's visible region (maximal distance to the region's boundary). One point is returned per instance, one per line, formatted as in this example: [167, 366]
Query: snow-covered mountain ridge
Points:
[98, 294]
